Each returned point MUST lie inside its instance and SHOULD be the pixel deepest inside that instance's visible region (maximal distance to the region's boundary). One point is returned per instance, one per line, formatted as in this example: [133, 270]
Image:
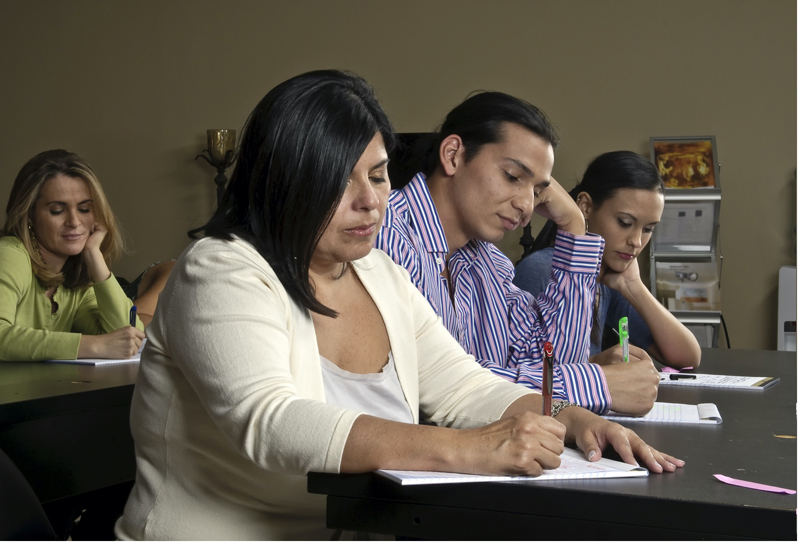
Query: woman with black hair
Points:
[487, 171]
[621, 197]
[283, 344]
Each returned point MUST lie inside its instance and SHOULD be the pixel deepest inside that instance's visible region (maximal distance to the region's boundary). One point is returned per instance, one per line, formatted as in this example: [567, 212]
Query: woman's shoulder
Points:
[536, 262]
[15, 264]
[12, 242]
[221, 253]
[13, 252]
[216, 258]
[533, 272]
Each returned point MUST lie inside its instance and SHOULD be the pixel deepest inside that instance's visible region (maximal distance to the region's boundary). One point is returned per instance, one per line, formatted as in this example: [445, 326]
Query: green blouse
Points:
[30, 331]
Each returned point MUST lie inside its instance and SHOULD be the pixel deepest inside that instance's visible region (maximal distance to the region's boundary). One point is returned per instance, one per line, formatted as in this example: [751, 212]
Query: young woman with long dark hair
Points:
[621, 197]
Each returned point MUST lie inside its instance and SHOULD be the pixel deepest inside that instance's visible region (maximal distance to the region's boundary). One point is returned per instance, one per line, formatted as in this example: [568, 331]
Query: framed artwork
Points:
[686, 162]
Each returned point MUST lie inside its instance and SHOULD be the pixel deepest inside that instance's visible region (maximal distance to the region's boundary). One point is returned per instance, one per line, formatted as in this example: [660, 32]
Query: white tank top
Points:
[378, 395]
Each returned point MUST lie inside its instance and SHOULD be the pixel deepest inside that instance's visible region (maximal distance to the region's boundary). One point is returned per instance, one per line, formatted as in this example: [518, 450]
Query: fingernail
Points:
[590, 455]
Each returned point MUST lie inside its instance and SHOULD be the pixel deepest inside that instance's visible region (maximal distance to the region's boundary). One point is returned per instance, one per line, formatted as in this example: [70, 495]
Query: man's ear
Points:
[584, 202]
[451, 152]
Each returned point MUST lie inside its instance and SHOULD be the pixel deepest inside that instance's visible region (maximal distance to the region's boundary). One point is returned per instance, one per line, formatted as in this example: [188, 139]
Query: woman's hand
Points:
[96, 238]
[613, 356]
[523, 444]
[592, 434]
[674, 344]
[551, 201]
[520, 443]
[628, 282]
[633, 386]
[95, 262]
[121, 344]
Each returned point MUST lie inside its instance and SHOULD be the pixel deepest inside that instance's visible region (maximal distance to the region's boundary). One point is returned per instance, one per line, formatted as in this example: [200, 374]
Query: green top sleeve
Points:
[30, 331]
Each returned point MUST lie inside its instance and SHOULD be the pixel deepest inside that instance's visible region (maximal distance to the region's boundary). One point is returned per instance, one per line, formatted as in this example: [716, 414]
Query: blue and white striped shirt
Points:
[502, 326]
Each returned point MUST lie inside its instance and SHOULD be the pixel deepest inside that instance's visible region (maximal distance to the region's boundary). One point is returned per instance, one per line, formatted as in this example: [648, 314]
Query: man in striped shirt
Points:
[490, 171]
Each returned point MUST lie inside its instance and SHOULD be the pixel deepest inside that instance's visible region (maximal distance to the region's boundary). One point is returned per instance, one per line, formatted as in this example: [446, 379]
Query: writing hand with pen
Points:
[633, 386]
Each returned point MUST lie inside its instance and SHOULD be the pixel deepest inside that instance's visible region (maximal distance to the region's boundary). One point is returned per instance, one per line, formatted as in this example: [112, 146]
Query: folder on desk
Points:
[574, 466]
[668, 412]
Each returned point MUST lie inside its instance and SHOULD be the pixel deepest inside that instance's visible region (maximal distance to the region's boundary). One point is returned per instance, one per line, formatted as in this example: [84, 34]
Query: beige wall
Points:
[132, 86]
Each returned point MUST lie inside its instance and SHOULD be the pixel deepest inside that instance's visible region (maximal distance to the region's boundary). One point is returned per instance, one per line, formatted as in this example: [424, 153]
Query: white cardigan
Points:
[229, 412]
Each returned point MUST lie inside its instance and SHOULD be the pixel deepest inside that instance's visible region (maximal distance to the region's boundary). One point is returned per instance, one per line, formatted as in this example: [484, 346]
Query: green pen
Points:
[623, 339]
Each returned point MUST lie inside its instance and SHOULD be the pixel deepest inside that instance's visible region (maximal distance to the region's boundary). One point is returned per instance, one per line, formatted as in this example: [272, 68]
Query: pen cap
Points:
[623, 327]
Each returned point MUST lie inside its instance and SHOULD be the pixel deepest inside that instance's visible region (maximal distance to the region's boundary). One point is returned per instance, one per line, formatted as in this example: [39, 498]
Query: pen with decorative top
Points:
[547, 380]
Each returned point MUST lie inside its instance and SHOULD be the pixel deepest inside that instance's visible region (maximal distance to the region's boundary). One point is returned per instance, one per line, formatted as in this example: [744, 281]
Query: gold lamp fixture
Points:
[221, 154]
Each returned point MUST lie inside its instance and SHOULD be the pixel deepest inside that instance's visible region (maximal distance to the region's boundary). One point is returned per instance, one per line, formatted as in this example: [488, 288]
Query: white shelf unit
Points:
[685, 264]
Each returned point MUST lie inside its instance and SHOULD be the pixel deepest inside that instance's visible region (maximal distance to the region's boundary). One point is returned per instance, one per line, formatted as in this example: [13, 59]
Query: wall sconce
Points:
[221, 154]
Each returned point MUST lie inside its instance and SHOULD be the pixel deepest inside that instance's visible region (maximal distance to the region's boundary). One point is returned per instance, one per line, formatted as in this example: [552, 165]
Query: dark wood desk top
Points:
[687, 503]
[36, 390]
[66, 426]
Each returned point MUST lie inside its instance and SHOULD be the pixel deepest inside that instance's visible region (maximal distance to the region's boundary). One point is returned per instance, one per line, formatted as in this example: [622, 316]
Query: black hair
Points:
[481, 119]
[297, 151]
[604, 176]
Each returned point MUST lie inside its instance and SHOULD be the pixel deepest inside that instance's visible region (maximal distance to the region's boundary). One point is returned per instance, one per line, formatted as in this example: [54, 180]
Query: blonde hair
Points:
[20, 213]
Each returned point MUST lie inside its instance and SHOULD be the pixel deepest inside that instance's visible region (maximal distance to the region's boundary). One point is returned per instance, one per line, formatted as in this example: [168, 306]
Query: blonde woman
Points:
[58, 298]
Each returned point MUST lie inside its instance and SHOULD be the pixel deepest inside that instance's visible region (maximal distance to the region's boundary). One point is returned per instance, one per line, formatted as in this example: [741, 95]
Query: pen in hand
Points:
[133, 316]
[623, 339]
[547, 380]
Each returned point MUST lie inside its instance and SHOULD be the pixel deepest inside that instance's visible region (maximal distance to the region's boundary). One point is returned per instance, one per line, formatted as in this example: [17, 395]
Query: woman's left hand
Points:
[592, 434]
[96, 238]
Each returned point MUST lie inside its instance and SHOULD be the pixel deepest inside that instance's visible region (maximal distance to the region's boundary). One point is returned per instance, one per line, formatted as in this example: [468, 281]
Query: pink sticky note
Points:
[670, 370]
[752, 485]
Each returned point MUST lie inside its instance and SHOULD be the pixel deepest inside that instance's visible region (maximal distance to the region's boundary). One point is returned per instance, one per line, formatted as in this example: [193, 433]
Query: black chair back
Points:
[21, 515]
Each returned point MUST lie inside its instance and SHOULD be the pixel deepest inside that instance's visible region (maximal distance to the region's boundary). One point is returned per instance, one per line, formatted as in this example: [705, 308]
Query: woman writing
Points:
[621, 197]
[58, 299]
[284, 344]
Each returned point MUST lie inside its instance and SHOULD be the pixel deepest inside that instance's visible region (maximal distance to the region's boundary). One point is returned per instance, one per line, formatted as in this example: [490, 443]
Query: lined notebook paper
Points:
[135, 359]
[667, 412]
[574, 466]
[713, 380]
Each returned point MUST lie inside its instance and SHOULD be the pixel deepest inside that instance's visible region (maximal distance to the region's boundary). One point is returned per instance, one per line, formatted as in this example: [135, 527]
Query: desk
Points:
[67, 426]
[688, 504]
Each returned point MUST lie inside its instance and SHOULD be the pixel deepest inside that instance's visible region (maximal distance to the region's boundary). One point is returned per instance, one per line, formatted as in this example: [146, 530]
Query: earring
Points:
[35, 244]
[586, 219]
